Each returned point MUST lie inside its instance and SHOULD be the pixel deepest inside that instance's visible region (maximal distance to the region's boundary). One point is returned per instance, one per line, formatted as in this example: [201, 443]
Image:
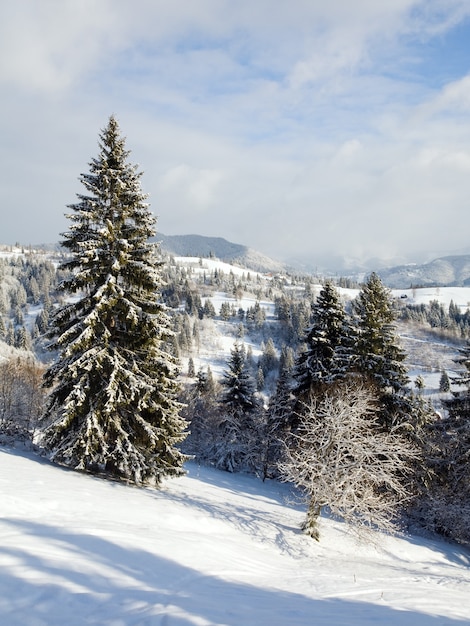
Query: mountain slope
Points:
[446, 271]
[200, 246]
[210, 548]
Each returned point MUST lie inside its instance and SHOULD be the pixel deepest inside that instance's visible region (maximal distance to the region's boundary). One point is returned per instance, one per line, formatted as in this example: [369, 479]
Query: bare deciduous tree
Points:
[21, 397]
[343, 460]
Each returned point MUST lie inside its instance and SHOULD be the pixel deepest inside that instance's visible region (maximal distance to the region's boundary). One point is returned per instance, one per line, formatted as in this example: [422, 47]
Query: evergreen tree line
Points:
[450, 322]
[25, 282]
[183, 285]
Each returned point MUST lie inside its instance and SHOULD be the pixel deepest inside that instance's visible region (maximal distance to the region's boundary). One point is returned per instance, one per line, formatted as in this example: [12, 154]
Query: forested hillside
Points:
[240, 338]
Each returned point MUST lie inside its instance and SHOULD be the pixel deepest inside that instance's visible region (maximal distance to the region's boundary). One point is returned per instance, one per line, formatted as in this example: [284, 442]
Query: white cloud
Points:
[453, 98]
[48, 45]
[349, 149]
[196, 187]
[264, 131]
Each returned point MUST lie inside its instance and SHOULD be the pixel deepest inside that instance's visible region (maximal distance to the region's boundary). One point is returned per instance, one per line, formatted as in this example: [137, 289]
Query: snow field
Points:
[210, 548]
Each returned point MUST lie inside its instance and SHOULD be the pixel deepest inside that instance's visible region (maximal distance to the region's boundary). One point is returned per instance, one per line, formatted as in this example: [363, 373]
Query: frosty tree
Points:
[202, 412]
[239, 395]
[326, 357]
[343, 460]
[379, 357]
[239, 427]
[444, 382]
[113, 405]
[278, 423]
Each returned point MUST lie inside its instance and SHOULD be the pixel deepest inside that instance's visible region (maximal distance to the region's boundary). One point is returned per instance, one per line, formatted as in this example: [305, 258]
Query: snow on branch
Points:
[343, 460]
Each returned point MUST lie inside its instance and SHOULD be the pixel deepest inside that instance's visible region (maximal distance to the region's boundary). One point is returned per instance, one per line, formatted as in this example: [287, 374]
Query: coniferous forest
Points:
[124, 362]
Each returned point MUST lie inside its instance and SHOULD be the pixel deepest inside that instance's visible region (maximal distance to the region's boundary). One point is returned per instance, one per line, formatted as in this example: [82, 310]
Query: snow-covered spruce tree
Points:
[326, 358]
[201, 410]
[239, 394]
[241, 425]
[343, 460]
[444, 382]
[113, 405]
[379, 357]
[268, 360]
[459, 403]
[278, 423]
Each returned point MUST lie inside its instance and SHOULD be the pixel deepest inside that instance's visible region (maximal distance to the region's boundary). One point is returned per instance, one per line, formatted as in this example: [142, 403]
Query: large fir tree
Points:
[239, 386]
[201, 409]
[240, 427]
[113, 405]
[327, 355]
[278, 422]
[379, 356]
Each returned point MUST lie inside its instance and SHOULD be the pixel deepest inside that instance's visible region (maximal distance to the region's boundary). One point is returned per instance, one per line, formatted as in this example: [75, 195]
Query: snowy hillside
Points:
[213, 548]
[210, 548]
[450, 270]
[200, 246]
[427, 356]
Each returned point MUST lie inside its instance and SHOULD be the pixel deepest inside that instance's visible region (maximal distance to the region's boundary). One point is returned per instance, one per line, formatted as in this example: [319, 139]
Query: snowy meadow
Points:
[210, 548]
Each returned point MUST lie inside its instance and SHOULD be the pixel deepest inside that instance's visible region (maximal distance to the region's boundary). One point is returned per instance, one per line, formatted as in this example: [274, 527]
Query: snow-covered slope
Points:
[210, 548]
[445, 271]
[200, 246]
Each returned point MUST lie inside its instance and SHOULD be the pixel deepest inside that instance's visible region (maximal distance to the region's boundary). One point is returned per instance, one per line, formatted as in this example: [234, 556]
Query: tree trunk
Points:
[310, 525]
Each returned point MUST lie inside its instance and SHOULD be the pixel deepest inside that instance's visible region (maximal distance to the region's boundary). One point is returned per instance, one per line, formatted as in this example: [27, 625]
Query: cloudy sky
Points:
[306, 129]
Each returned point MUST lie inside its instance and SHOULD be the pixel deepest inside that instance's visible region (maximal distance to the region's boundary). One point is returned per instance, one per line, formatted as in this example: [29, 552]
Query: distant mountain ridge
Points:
[200, 246]
[448, 271]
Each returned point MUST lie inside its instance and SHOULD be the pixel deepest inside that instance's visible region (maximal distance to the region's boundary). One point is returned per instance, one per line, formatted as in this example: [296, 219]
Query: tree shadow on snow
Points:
[54, 577]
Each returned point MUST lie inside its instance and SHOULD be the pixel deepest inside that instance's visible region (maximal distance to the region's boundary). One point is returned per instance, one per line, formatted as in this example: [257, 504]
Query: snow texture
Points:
[210, 548]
